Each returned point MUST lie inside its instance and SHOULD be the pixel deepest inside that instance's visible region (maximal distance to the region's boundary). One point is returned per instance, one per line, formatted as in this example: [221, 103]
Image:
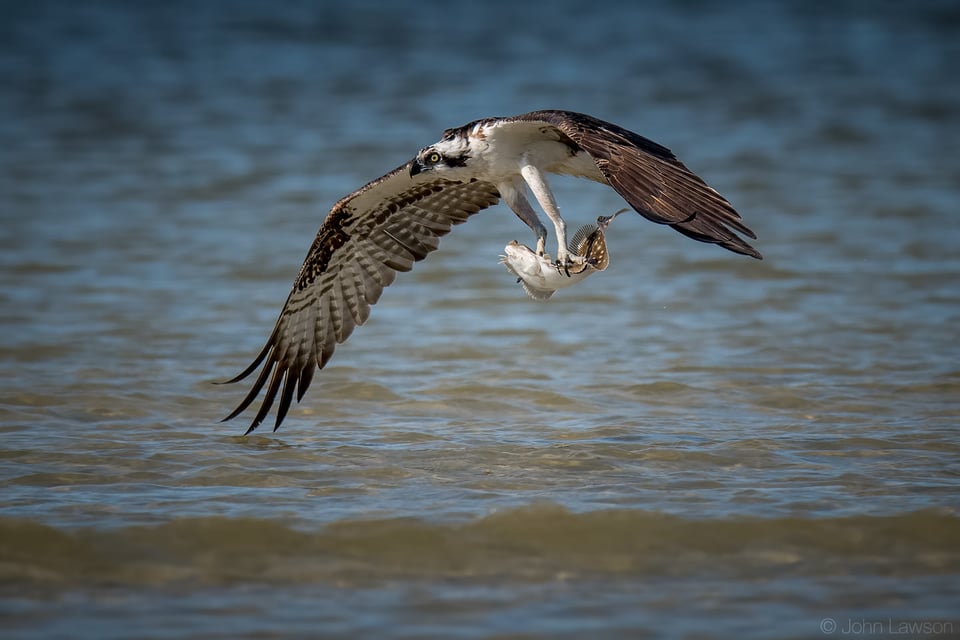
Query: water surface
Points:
[691, 444]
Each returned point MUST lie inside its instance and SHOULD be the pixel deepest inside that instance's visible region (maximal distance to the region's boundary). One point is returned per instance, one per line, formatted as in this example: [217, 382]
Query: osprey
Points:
[396, 220]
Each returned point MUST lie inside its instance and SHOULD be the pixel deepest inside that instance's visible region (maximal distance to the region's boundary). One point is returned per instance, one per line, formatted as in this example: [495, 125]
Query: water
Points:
[692, 444]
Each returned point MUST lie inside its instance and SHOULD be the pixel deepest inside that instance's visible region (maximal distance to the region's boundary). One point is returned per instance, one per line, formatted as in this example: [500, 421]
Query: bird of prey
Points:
[396, 220]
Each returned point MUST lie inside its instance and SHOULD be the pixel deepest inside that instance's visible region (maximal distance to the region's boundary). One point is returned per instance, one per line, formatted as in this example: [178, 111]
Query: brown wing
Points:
[651, 179]
[367, 237]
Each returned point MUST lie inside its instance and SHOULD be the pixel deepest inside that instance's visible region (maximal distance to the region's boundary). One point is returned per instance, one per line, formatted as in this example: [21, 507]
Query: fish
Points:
[540, 276]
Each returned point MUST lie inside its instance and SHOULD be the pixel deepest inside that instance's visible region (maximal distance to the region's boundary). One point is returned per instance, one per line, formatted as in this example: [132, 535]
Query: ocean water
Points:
[691, 444]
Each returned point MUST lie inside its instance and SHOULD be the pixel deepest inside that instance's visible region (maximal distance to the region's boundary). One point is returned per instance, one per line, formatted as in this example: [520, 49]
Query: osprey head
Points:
[446, 154]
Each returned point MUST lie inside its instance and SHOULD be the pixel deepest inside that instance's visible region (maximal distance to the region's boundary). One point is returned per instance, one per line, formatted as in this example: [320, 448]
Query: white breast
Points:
[503, 148]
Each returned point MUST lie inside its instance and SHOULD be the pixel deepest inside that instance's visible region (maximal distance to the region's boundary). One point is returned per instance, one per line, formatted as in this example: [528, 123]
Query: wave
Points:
[542, 542]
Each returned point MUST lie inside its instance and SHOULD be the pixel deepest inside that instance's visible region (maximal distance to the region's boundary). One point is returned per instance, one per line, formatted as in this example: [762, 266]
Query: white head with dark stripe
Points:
[451, 152]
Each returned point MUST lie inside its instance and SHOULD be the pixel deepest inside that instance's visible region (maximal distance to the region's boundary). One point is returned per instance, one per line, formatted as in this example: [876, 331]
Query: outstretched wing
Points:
[650, 178]
[367, 237]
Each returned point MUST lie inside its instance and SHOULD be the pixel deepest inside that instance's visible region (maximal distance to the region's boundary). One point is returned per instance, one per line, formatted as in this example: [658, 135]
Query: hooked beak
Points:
[415, 167]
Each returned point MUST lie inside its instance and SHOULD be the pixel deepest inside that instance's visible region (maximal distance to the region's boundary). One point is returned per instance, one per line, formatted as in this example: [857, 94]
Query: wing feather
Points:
[392, 252]
[384, 227]
[323, 343]
[353, 291]
[376, 274]
[651, 179]
[286, 396]
[275, 379]
[344, 322]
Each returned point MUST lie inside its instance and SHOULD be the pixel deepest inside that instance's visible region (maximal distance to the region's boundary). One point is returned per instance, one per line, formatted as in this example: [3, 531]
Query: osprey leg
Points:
[541, 191]
[519, 204]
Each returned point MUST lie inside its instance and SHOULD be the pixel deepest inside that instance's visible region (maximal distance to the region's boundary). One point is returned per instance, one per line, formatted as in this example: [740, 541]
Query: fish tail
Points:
[576, 244]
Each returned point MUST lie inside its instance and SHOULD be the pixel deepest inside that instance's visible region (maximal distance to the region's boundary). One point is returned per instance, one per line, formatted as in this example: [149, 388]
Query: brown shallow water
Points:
[690, 444]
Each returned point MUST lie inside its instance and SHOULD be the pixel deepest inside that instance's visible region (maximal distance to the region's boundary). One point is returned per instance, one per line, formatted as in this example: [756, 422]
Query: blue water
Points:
[690, 444]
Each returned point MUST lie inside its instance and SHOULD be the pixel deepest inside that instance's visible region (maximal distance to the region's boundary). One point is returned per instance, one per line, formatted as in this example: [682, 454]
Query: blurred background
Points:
[693, 444]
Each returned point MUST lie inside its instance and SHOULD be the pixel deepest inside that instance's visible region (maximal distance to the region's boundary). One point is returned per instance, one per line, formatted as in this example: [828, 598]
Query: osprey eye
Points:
[433, 158]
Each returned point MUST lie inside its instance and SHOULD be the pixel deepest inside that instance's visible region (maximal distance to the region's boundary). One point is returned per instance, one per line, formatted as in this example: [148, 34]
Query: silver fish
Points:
[540, 275]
